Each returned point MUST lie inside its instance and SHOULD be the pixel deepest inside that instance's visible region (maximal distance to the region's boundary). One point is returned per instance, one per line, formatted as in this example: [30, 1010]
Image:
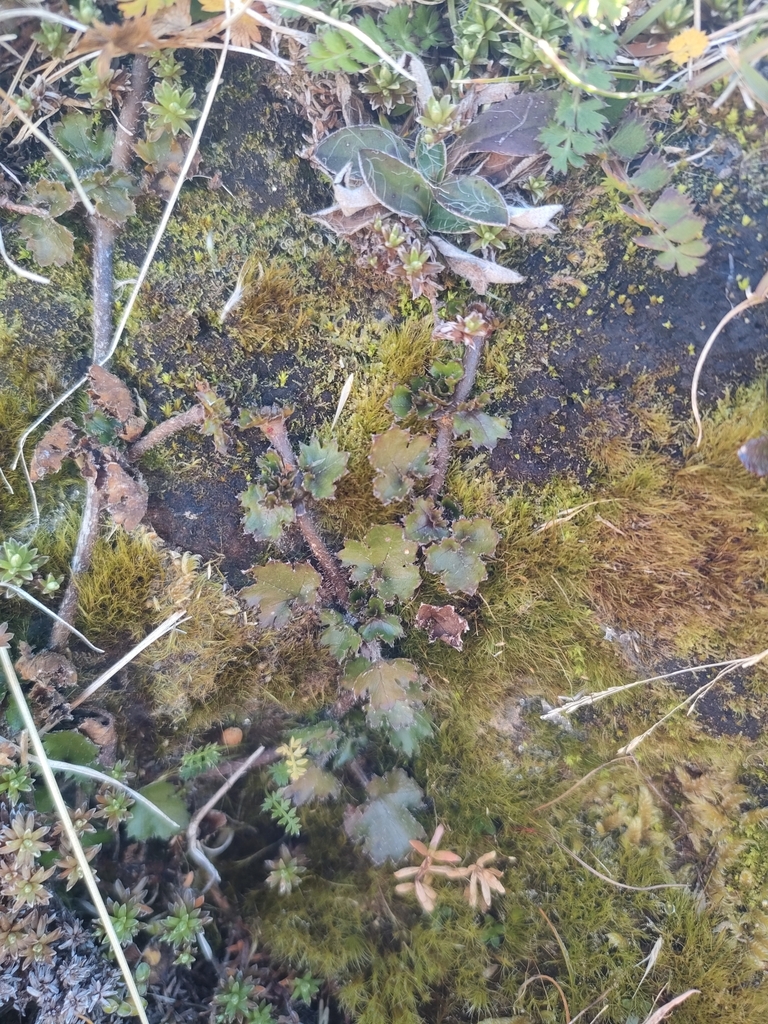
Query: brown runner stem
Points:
[472, 356]
[163, 431]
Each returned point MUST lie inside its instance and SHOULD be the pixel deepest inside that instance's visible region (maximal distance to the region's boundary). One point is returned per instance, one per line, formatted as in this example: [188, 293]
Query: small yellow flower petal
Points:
[687, 45]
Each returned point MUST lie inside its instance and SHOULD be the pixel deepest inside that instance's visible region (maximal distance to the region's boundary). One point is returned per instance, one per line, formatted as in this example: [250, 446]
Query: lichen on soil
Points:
[625, 553]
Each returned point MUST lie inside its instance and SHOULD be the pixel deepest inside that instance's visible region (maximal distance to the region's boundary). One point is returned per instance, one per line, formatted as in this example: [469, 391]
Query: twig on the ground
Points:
[163, 431]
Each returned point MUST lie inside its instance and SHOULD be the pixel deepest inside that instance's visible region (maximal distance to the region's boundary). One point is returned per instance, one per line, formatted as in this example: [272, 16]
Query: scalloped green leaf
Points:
[396, 185]
[385, 825]
[342, 147]
[315, 785]
[79, 138]
[50, 242]
[52, 195]
[384, 559]
[384, 682]
[652, 174]
[426, 524]
[474, 199]
[484, 430]
[431, 160]
[280, 590]
[399, 460]
[111, 195]
[458, 558]
[266, 516]
[386, 628]
[323, 466]
[341, 639]
[401, 401]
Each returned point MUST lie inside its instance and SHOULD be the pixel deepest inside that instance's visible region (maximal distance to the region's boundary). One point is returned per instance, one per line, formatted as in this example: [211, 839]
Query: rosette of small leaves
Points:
[53, 38]
[180, 929]
[525, 55]
[91, 81]
[126, 911]
[386, 90]
[305, 988]
[173, 108]
[236, 999]
[14, 781]
[19, 562]
[426, 395]
[285, 871]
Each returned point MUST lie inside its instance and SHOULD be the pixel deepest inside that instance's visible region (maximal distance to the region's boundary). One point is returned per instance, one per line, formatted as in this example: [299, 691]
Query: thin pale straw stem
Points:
[612, 881]
[162, 629]
[42, 15]
[20, 271]
[41, 607]
[575, 786]
[155, 244]
[72, 836]
[196, 852]
[53, 149]
[6, 482]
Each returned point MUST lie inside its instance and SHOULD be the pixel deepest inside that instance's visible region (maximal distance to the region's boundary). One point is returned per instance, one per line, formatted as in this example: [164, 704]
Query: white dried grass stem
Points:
[42, 608]
[42, 15]
[162, 629]
[72, 837]
[20, 271]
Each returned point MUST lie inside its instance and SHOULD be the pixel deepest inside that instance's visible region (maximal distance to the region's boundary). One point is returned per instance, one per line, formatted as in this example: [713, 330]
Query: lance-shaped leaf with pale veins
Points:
[458, 558]
[280, 590]
[265, 515]
[385, 824]
[322, 466]
[385, 560]
[385, 682]
[399, 460]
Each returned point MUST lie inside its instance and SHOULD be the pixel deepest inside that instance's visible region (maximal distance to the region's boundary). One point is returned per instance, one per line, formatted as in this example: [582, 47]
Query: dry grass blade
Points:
[663, 1011]
[196, 852]
[759, 295]
[53, 150]
[72, 837]
[575, 786]
[612, 881]
[20, 271]
[42, 15]
[546, 977]
[170, 623]
[47, 611]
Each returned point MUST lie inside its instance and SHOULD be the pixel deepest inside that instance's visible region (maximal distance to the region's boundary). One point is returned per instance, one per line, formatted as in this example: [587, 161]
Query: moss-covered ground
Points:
[625, 553]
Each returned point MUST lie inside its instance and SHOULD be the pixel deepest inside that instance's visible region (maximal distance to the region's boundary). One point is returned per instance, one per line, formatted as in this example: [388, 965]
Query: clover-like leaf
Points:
[385, 824]
[50, 242]
[266, 516]
[384, 682]
[399, 460]
[281, 589]
[484, 430]
[396, 185]
[458, 558]
[341, 148]
[322, 466]
[384, 559]
[341, 639]
[426, 523]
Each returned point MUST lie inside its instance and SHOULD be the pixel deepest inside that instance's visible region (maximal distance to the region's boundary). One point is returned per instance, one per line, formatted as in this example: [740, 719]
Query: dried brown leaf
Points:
[47, 667]
[126, 498]
[110, 394]
[442, 622]
[52, 448]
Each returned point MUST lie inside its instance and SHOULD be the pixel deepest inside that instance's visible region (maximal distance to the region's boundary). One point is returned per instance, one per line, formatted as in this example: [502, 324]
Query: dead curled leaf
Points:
[479, 272]
[126, 498]
[442, 622]
[47, 667]
[110, 394]
[52, 448]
